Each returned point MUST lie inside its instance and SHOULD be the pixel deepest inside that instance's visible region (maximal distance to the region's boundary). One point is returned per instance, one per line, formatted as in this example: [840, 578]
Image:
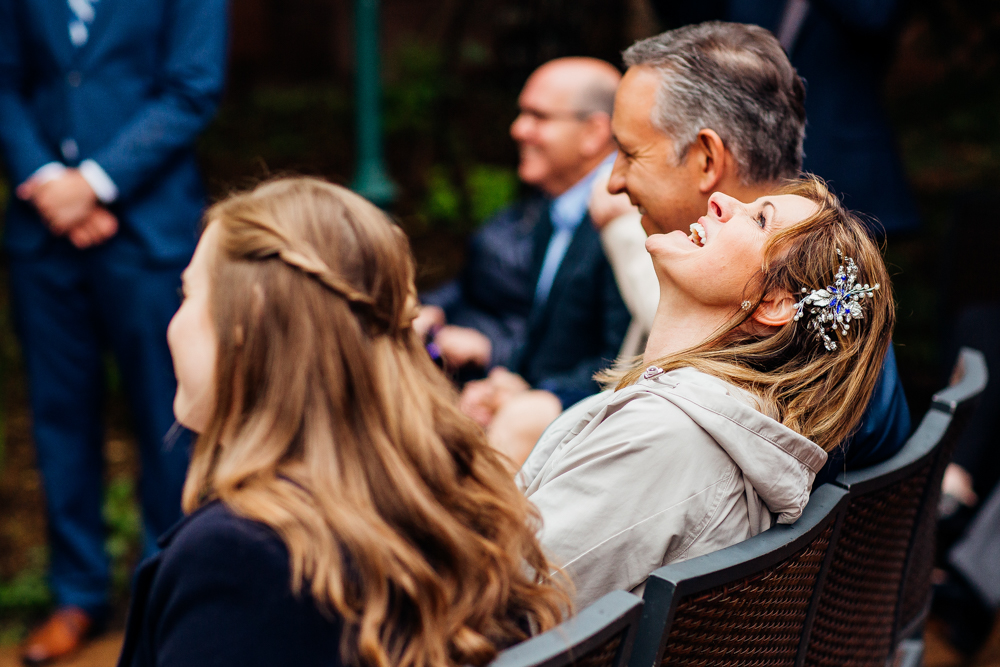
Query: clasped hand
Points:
[69, 207]
[482, 399]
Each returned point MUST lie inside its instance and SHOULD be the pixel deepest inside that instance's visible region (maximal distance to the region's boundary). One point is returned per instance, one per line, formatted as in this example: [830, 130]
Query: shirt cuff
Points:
[48, 172]
[99, 181]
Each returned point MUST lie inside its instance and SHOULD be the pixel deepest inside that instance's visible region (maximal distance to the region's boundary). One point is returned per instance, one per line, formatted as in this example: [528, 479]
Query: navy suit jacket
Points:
[494, 291]
[133, 99]
[579, 329]
[220, 594]
[883, 431]
[842, 51]
[559, 345]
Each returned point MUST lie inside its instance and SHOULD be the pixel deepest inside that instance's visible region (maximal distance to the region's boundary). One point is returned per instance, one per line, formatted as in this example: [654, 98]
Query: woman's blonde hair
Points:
[333, 426]
[819, 393]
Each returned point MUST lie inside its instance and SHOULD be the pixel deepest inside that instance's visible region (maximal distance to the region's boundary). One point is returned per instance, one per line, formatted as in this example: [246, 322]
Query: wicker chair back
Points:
[749, 604]
[959, 400]
[858, 619]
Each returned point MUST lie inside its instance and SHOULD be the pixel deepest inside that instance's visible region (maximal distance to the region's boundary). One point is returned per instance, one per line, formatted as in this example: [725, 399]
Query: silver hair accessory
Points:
[835, 306]
[746, 305]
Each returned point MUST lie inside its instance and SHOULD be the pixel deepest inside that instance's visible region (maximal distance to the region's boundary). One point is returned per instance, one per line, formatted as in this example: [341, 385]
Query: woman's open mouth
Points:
[698, 235]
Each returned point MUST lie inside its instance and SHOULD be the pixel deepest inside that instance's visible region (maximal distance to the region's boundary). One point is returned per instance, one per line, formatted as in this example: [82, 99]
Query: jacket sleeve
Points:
[627, 492]
[192, 73]
[578, 383]
[885, 425]
[20, 137]
[223, 597]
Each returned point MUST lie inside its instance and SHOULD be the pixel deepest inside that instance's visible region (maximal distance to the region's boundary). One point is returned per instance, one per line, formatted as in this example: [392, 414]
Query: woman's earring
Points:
[746, 305]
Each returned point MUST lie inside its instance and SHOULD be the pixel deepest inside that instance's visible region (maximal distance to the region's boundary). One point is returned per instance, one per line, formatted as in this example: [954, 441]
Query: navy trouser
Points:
[69, 307]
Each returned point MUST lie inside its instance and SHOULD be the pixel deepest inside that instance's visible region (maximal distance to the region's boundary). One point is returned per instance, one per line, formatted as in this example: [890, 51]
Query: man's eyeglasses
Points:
[543, 116]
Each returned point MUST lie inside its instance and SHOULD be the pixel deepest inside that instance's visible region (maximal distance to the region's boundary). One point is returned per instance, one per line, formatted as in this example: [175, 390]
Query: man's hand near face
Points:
[64, 202]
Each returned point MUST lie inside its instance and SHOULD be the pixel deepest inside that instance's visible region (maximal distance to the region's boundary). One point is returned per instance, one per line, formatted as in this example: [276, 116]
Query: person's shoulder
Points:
[572, 420]
[216, 520]
[636, 418]
[694, 384]
[649, 413]
[215, 537]
[633, 437]
[654, 413]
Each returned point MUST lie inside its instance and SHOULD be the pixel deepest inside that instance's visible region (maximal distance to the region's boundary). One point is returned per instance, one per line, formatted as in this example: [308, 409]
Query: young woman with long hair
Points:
[773, 321]
[341, 510]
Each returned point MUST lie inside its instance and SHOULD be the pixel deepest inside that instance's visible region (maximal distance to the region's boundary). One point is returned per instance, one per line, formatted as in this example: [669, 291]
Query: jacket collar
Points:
[168, 536]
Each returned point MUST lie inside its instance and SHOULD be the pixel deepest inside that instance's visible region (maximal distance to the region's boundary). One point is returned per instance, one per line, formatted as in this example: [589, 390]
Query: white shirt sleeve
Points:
[99, 181]
[48, 172]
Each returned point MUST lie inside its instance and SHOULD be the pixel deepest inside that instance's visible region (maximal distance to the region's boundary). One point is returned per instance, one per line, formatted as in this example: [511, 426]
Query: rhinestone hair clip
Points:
[836, 305]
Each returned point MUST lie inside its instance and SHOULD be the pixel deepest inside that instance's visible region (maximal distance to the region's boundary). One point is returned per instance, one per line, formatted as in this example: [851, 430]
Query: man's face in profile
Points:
[646, 168]
[549, 132]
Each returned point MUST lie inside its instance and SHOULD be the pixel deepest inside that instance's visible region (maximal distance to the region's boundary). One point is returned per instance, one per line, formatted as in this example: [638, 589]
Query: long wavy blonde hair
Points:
[333, 426]
[820, 394]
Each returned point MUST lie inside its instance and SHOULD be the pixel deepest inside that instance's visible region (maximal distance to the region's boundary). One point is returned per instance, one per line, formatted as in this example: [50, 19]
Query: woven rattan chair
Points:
[749, 604]
[959, 400]
[888, 534]
[601, 635]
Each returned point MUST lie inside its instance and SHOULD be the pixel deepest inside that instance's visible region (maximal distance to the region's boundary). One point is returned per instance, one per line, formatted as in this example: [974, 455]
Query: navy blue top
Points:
[220, 594]
[556, 345]
[494, 291]
[884, 428]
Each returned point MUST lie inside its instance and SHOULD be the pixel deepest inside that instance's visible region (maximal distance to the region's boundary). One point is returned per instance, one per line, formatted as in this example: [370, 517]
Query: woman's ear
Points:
[776, 310]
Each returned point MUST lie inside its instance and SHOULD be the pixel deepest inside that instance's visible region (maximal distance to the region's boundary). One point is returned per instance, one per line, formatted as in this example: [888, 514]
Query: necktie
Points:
[562, 234]
[83, 16]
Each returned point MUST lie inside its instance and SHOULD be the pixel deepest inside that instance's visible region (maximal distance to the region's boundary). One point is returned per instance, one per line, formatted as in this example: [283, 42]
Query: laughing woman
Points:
[773, 320]
[341, 510]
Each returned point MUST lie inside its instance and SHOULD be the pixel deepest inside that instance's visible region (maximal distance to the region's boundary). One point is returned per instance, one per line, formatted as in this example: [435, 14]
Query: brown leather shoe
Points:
[63, 633]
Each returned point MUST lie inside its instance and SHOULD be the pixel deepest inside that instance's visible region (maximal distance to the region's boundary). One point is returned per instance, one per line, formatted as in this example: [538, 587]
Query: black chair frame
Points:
[930, 445]
[958, 400]
[613, 614]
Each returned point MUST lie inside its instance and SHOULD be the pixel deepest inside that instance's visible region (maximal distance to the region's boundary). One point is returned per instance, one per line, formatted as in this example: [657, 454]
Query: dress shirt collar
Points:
[569, 209]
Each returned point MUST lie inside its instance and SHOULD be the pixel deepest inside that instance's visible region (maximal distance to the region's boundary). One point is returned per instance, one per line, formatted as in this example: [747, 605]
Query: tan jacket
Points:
[673, 467]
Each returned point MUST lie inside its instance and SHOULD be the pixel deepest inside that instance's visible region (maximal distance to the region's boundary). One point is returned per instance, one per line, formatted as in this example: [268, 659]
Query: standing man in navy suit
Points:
[100, 104]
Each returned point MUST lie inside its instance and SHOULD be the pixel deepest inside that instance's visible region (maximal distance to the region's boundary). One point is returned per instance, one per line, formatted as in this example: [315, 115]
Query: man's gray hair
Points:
[734, 79]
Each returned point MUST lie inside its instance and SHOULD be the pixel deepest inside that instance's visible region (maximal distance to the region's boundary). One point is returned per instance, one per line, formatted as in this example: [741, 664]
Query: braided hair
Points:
[332, 425]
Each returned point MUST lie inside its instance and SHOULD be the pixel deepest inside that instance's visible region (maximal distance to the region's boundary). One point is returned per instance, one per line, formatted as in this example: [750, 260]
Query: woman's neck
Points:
[680, 324]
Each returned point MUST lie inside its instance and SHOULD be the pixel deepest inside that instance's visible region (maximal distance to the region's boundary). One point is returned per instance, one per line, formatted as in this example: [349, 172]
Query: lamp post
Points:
[371, 180]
